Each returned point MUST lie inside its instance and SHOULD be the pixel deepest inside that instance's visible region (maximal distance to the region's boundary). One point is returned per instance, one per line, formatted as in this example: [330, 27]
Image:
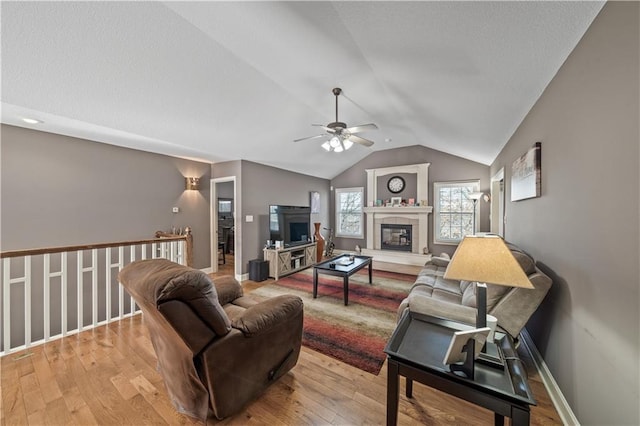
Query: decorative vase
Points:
[319, 242]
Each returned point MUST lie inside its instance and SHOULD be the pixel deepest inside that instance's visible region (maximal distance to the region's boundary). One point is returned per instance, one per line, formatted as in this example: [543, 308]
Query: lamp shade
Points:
[486, 259]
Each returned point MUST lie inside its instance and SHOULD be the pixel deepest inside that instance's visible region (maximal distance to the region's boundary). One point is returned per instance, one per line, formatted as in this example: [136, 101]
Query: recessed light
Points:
[31, 120]
[387, 140]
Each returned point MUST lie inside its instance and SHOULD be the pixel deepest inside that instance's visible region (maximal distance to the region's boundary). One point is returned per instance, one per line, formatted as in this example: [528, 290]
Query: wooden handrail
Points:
[51, 250]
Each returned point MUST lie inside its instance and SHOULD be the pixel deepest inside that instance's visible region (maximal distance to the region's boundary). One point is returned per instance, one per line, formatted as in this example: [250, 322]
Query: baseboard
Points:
[558, 399]
[207, 270]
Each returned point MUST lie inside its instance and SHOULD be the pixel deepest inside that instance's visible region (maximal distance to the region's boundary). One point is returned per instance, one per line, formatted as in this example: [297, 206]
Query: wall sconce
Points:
[192, 183]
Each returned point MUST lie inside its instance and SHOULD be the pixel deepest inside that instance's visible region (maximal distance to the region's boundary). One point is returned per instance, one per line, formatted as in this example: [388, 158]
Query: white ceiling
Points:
[218, 81]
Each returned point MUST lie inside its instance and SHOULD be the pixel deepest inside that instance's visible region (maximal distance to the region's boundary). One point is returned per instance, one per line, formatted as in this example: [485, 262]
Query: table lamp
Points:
[485, 259]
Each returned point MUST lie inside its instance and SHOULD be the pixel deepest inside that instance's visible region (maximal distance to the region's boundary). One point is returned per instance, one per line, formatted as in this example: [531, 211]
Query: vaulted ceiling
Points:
[218, 81]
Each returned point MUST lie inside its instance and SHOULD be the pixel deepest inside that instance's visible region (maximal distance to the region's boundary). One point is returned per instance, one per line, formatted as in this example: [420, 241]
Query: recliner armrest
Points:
[263, 316]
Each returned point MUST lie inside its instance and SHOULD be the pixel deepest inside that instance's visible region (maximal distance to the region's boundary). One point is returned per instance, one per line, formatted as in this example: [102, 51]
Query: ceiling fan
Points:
[342, 137]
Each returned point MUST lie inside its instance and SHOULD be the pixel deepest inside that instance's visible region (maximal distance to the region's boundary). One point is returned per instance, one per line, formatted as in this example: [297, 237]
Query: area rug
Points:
[355, 334]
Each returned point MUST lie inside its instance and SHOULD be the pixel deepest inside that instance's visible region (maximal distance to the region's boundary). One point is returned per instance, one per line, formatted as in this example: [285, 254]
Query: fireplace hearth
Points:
[395, 237]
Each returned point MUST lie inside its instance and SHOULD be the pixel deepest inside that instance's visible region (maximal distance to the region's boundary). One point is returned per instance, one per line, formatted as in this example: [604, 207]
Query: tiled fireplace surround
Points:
[417, 216]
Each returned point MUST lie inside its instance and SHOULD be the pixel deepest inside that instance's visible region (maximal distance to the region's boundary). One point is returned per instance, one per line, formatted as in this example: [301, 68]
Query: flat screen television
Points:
[291, 224]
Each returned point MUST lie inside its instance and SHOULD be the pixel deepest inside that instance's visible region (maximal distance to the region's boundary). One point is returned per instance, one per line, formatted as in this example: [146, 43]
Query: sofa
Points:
[434, 295]
[217, 349]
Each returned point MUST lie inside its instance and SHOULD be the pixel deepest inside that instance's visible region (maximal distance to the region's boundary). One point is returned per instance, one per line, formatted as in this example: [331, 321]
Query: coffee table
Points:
[335, 268]
[416, 351]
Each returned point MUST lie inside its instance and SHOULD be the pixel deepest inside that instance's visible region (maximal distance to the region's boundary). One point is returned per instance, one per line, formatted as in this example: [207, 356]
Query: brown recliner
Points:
[217, 349]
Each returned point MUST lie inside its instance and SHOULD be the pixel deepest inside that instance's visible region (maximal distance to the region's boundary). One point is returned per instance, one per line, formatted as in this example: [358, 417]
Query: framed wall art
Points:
[526, 174]
[315, 201]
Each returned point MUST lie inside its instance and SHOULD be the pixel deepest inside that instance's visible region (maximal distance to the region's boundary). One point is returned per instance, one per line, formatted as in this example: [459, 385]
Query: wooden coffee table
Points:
[335, 268]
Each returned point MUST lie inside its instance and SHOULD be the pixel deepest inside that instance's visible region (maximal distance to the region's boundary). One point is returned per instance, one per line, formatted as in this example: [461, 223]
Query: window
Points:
[274, 224]
[349, 215]
[224, 205]
[453, 211]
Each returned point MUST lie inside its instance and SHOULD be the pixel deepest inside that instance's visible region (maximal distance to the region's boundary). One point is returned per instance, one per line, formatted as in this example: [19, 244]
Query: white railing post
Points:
[120, 265]
[107, 278]
[94, 286]
[27, 301]
[63, 295]
[6, 305]
[47, 296]
[79, 293]
[132, 258]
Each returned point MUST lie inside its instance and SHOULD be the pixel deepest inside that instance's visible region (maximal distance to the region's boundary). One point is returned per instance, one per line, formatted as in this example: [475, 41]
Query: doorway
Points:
[497, 203]
[223, 225]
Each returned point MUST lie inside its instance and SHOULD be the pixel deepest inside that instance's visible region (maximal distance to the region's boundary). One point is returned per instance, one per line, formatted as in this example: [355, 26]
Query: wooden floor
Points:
[107, 376]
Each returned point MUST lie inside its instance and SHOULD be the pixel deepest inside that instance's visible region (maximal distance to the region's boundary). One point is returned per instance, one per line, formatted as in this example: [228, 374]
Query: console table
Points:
[416, 351]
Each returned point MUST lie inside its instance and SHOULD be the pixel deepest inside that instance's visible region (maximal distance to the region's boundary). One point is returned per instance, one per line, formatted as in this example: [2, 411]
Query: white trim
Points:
[558, 399]
[497, 210]
[208, 270]
[336, 195]
[436, 208]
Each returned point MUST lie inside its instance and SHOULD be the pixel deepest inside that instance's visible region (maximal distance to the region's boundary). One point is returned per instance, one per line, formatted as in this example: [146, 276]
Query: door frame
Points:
[497, 215]
[214, 224]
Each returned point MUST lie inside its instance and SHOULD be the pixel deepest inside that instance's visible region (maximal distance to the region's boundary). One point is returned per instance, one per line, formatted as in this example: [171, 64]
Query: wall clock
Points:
[395, 184]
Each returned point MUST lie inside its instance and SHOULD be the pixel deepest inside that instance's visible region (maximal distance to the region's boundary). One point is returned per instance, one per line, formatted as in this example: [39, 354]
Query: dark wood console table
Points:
[416, 351]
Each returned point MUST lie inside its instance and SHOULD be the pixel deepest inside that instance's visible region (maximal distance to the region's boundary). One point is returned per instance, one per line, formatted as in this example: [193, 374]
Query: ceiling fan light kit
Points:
[342, 137]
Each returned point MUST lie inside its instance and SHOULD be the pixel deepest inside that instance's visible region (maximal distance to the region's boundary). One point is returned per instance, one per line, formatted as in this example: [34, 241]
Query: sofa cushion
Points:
[526, 262]
[511, 306]
[494, 294]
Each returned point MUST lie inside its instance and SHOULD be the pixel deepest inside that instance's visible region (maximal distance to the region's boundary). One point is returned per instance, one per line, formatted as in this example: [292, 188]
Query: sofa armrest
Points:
[263, 316]
[439, 308]
[440, 261]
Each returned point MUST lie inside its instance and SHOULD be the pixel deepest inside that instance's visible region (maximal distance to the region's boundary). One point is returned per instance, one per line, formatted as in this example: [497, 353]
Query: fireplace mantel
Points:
[417, 214]
[401, 210]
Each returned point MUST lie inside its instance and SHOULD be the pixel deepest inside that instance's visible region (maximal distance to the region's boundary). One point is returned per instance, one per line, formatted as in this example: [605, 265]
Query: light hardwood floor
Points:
[107, 376]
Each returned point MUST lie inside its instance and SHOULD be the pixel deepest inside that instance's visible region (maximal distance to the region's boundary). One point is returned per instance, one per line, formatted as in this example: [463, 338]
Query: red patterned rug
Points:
[355, 334]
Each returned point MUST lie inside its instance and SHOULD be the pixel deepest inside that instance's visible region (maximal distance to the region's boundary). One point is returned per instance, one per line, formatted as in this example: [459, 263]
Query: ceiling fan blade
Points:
[362, 128]
[310, 137]
[328, 129]
[361, 141]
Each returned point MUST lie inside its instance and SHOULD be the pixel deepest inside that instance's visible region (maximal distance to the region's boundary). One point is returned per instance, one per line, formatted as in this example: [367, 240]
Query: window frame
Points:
[338, 212]
[474, 185]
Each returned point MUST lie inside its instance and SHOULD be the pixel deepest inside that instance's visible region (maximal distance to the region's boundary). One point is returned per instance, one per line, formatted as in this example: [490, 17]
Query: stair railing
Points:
[50, 293]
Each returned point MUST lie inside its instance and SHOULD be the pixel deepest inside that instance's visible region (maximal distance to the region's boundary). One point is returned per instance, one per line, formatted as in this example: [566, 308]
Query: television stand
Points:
[288, 260]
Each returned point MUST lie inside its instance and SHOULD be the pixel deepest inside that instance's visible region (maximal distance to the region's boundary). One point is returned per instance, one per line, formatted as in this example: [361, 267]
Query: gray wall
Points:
[264, 185]
[58, 190]
[584, 228]
[443, 168]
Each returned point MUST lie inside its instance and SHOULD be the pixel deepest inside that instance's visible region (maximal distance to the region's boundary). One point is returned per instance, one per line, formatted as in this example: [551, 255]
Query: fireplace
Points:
[408, 246]
[395, 237]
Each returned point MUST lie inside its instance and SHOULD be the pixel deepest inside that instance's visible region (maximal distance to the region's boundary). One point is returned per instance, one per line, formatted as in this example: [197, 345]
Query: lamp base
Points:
[491, 355]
